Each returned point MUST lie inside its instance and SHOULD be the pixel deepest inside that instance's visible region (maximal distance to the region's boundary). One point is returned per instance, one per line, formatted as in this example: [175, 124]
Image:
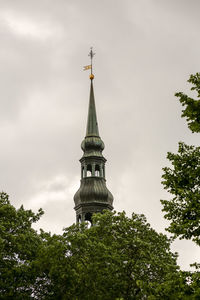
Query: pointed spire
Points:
[93, 195]
[92, 125]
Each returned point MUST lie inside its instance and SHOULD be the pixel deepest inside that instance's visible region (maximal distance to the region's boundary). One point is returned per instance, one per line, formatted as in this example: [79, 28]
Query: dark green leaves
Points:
[192, 107]
[19, 245]
[118, 257]
[182, 180]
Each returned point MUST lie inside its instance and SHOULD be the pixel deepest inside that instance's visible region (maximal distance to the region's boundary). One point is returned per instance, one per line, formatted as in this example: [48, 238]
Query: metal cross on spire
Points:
[91, 54]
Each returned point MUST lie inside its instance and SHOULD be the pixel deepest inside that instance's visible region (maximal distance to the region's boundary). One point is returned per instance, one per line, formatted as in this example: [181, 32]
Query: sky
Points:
[145, 52]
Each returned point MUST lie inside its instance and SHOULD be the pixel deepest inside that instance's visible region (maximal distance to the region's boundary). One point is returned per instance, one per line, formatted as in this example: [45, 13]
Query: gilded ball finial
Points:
[91, 76]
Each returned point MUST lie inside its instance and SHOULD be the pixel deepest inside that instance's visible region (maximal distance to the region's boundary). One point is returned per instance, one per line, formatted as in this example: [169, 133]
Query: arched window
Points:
[88, 217]
[97, 170]
[89, 170]
[103, 171]
[82, 172]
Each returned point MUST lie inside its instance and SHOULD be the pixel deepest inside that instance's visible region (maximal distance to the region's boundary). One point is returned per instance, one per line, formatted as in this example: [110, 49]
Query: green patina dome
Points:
[92, 143]
[93, 191]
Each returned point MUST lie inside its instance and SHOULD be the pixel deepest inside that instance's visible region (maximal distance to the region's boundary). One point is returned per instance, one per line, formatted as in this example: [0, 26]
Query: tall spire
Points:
[92, 125]
[93, 195]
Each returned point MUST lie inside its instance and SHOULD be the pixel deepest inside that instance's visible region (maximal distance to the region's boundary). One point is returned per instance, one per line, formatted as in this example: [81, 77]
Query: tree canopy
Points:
[191, 106]
[182, 179]
[19, 245]
[116, 258]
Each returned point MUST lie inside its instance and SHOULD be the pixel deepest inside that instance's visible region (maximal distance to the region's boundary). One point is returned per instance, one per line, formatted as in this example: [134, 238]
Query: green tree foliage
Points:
[192, 107]
[182, 180]
[117, 258]
[194, 279]
[19, 245]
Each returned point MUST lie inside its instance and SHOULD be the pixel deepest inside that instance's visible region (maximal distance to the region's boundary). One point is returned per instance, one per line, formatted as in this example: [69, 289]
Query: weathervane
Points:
[89, 67]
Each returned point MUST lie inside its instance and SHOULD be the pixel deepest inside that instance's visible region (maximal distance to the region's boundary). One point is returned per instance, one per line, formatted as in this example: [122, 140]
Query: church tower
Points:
[93, 195]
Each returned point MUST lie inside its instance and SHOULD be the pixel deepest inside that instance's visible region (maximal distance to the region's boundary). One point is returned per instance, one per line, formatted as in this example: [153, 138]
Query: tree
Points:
[117, 258]
[192, 106]
[182, 180]
[19, 245]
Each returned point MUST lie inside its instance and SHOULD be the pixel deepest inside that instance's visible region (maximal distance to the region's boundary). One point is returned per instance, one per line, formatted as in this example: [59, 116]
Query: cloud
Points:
[145, 51]
[55, 190]
[28, 27]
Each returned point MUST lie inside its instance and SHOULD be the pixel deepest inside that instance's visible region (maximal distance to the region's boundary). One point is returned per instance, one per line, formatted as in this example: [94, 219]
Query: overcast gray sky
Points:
[145, 52]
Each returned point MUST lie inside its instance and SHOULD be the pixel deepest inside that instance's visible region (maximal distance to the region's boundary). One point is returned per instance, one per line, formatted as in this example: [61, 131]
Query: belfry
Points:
[93, 195]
